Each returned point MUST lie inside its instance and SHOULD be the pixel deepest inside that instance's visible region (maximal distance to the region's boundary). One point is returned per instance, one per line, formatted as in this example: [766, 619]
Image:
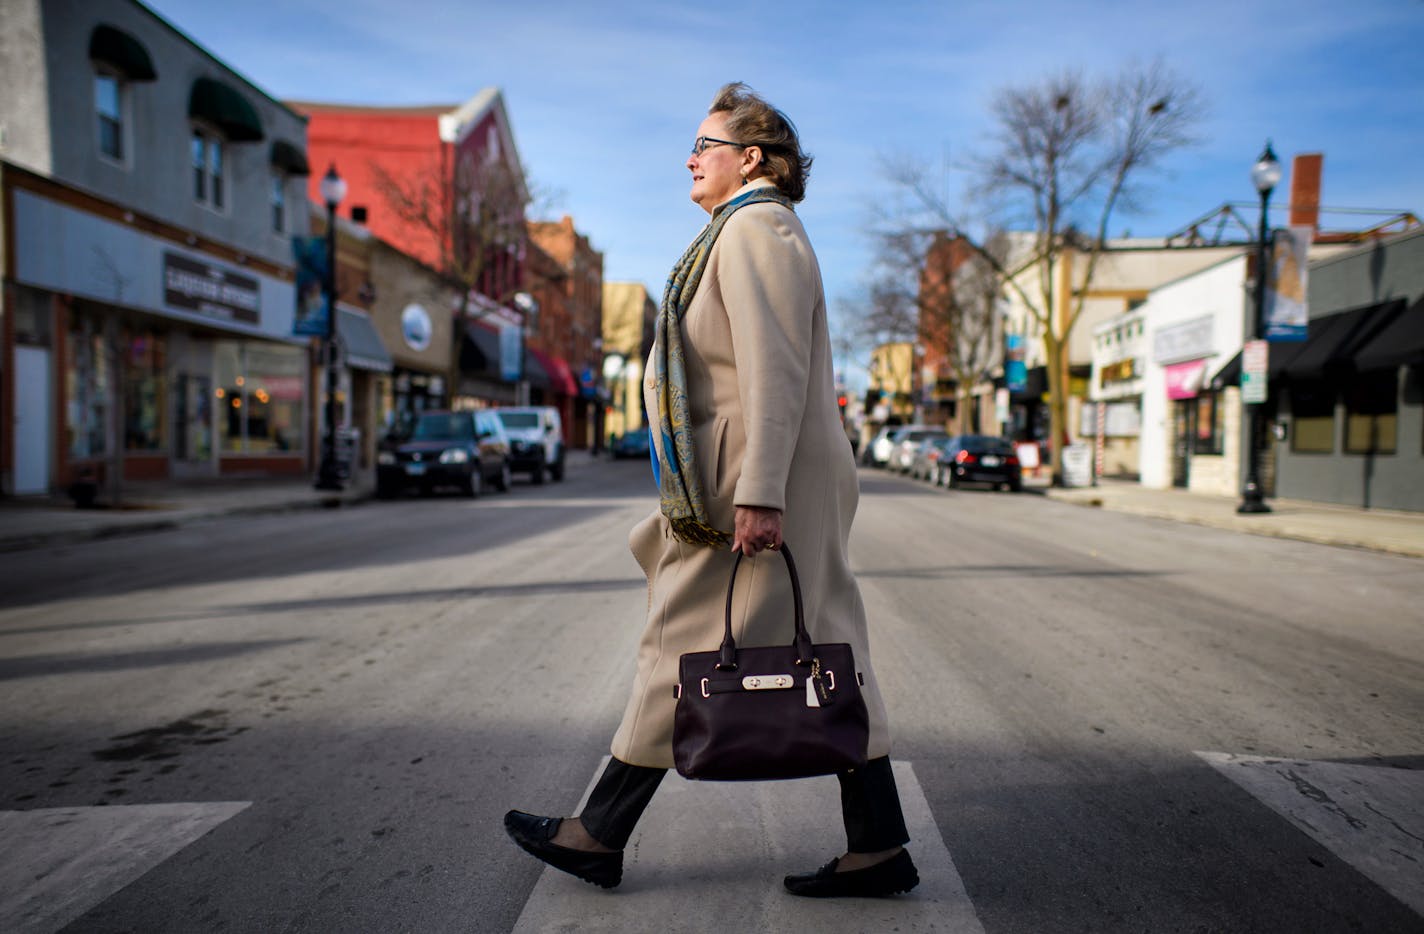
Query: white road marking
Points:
[57, 863]
[1372, 817]
[711, 855]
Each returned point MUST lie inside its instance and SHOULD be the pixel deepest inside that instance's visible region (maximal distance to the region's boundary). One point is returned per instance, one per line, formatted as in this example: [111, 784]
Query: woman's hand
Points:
[756, 529]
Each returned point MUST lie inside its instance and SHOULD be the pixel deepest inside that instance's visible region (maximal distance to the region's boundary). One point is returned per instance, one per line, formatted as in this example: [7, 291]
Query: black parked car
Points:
[979, 459]
[465, 450]
[634, 443]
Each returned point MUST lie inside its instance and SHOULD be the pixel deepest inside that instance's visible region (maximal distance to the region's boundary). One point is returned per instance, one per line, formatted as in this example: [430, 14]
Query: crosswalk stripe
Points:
[57, 863]
[710, 856]
[1372, 817]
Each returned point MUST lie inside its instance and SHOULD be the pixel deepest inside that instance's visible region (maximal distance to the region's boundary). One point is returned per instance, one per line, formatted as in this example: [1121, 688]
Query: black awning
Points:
[1228, 375]
[121, 51]
[1398, 343]
[289, 158]
[225, 108]
[479, 352]
[1334, 340]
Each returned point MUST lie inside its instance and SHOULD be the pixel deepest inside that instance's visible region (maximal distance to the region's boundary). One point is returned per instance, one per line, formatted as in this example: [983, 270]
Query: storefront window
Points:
[1312, 417]
[86, 391]
[1371, 413]
[259, 398]
[145, 391]
[1209, 424]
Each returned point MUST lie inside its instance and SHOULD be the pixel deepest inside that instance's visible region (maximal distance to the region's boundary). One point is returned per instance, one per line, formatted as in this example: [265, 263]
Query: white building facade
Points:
[150, 198]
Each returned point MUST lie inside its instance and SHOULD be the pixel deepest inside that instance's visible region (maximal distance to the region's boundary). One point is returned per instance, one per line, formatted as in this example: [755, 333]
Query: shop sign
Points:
[416, 327]
[1189, 340]
[1121, 371]
[210, 290]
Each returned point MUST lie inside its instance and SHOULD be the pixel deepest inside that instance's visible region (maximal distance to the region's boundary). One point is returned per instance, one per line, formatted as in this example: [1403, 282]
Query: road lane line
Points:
[1370, 816]
[711, 855]
[58, 863]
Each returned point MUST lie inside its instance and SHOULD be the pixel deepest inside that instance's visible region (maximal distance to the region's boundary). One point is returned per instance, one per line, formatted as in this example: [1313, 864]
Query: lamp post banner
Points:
[511, 353]
[312, 312]
[1015, 372]
[1286, 312]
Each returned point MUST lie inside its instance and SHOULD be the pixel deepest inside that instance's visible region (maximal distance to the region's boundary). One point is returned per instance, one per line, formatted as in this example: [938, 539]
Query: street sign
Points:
[1254, 357]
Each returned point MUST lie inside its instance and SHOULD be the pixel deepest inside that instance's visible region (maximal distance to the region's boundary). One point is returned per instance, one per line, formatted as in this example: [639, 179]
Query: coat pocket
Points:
[719, 461]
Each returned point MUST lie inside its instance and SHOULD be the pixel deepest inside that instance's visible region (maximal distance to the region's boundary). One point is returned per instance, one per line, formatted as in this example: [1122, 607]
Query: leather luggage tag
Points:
[817, 693]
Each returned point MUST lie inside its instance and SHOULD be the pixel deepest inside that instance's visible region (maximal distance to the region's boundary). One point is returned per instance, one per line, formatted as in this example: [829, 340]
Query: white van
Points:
[536, 440]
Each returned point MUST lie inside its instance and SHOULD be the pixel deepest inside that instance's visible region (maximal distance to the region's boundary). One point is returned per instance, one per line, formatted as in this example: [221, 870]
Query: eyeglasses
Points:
[703, 143]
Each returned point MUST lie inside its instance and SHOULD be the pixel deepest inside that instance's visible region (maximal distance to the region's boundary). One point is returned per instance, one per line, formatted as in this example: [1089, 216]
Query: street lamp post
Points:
[333, 189]
[528, 307]
[1264, 174]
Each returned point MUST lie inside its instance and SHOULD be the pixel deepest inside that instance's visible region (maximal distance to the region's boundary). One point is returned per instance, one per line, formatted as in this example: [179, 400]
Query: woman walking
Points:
[748, 452]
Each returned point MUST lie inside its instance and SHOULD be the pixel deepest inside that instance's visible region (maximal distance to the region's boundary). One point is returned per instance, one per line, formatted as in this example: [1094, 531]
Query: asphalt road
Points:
[369, 689]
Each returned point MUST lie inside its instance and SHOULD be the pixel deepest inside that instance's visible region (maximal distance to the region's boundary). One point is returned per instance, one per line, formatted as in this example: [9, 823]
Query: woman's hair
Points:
[754, 122]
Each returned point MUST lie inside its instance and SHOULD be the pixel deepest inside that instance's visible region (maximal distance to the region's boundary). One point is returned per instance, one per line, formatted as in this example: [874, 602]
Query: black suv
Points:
[465, 450]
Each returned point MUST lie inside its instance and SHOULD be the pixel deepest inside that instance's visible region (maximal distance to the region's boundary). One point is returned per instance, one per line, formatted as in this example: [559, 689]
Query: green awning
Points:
[118, 49]
[288, 158]
[225, 108]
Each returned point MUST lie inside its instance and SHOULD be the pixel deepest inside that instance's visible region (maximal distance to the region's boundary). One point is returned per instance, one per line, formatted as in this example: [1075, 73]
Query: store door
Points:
[193, 416]
[1184, 430]
[32, 420]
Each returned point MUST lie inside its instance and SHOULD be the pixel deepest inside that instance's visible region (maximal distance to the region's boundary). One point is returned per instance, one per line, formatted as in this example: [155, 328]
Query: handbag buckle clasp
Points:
[767, 682]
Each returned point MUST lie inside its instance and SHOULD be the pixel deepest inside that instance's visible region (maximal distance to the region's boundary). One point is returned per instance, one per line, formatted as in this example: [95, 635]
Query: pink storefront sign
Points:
[1184, 380]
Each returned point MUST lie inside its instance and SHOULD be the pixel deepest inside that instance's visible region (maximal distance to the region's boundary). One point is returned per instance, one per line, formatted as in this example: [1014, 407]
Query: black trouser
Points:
[870, 805]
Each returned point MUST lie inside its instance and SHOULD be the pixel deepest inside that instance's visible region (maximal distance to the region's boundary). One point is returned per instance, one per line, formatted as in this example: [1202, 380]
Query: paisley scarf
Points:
[674, 460]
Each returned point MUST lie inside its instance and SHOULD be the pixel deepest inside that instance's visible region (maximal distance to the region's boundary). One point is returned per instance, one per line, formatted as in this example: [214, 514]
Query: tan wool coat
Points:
[767, 432]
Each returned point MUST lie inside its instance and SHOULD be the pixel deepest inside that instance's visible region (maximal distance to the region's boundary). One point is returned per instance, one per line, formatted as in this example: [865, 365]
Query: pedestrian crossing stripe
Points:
[711, 855]
[58, 863]
[1370, 816]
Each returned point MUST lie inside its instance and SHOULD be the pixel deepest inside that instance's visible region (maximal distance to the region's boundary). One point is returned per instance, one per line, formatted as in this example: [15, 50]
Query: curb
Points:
[178, 518]
[1246, 527]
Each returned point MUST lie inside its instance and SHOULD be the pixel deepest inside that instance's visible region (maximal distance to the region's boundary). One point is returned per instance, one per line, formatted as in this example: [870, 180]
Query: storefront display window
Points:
[1209, 427]
[1313, 417]
[86, 391]
[259, 398]
[1371, 413]
[145, 391]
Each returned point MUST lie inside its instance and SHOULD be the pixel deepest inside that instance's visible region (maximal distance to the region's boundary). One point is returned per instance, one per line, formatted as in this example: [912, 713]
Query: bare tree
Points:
[930, 288]
[958, 306]
[473, 215]
[1067, 153]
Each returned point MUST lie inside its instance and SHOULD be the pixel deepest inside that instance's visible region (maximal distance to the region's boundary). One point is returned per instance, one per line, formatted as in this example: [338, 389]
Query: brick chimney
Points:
[1305, 189]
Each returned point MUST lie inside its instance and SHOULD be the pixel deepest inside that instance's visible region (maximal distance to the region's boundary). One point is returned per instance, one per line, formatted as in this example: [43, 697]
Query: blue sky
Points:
[605, 97]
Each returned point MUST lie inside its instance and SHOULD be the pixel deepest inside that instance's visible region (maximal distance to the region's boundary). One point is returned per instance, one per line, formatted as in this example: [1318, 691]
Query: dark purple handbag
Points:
[755, 713]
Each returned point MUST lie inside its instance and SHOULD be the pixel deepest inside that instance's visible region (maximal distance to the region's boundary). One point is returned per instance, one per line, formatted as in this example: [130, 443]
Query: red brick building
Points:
[566, 277]
[445, 185]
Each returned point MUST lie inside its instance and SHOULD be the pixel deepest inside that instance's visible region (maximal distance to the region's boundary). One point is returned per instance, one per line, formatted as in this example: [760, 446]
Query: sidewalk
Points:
[153, 507]
[1400, 533]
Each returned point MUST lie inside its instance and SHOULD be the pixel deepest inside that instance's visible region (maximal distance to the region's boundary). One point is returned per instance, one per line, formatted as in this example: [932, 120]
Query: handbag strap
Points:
[801, 642]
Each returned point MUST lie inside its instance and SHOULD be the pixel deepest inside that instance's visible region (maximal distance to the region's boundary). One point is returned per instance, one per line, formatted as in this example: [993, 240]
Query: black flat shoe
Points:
[534, 833]
[891, 877]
